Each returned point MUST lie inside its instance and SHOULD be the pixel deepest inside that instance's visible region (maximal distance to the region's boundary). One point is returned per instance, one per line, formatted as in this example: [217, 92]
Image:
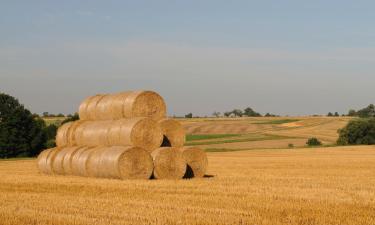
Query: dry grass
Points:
[304, 186]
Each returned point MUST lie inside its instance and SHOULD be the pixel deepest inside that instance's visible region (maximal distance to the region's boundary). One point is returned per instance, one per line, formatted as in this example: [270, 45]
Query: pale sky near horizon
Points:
[284, 57]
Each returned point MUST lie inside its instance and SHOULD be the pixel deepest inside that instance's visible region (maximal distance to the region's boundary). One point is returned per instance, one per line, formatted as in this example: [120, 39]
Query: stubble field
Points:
[332, 185]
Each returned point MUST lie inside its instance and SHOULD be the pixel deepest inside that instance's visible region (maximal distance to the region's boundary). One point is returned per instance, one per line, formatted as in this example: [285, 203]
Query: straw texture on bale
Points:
[57, 164]
[123, 105]
[94, 133]
[169, 163]
[72, 131]
[174, 133]
[196, 160]
[145, 104]
[120, 162]
[67, 161]
[82, 111]
[62, 138]
[50, 159]
[139, 132]
[42, 160]
[83, 159]
[75, 160]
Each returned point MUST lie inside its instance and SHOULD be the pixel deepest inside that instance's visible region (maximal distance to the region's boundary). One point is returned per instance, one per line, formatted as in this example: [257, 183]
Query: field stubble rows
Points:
[304, 186]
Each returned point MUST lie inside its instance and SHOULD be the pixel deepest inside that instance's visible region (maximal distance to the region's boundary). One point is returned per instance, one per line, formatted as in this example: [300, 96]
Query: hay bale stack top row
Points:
[128, 104]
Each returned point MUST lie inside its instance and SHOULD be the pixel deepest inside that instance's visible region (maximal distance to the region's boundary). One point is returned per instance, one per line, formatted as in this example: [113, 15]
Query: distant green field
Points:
[197, 137]
[54, 120]
[277, 121]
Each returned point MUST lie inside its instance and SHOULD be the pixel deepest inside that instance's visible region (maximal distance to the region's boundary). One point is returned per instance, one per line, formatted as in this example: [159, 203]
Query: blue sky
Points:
[284, 57]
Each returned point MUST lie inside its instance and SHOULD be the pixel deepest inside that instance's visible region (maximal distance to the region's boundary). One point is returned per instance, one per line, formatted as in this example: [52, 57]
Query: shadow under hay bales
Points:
[189, 172]
[166, 142]
[208, 176]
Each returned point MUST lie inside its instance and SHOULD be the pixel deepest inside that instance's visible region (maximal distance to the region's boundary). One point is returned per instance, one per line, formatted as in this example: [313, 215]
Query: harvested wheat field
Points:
[303, 186]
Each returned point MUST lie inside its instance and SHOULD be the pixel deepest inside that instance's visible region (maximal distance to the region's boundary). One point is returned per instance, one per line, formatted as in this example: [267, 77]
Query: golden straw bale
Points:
[71, 133]
[57, 164]
[174, 133]
[169, 163]
[91, 106]
[128, 104]
[82, 111]
[67, 161]
[75, 160]
[62, 134]
[139, 132]
[145, 104]
[83, 159]
[196, 160]
[95, 133]
[42, 160]
[50, 159]
[121, 162]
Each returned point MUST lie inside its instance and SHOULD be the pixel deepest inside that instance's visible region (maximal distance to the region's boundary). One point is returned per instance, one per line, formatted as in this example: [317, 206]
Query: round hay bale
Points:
[168, 163]
[82, 111]
[117, 104]
[104, 109]
[128, 104]
[50, 159]
[71, 133]
[174, 133]
[121, 162]
[42, 160]
[62, 134]
[82, 161]
[95, 133]
[94, 161]
[58, 162]
[78, 134]
[67, 161]
[139, 132]
[196, 160]
[75, 160]
[91, 106]
[144, 104]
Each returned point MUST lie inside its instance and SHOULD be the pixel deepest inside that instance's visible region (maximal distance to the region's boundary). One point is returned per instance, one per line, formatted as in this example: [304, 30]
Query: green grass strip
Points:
[197, 137]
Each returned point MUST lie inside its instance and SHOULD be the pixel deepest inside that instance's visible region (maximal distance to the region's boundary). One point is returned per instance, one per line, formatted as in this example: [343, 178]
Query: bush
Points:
[290, 145]
[313, 142]
[358, 132]
[71, 118]
[21, 133]
[189, 115]
[51, 143]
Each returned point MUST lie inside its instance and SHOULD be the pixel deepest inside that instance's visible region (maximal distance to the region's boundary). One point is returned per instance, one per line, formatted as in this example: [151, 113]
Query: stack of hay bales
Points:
[124, 136]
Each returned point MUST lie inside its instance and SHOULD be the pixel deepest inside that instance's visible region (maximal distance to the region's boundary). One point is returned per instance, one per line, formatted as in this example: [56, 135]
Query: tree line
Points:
[23, 134]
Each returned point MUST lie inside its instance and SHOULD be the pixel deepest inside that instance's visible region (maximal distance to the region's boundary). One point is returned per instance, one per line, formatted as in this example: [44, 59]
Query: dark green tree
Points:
[358, 132]
[21, 133]
[369, 111]
[313, 142]
[227, 114]
[337, 114]
[237, 112]
[352, 112]
[329, 114]
[251, 113]
[189, 115]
